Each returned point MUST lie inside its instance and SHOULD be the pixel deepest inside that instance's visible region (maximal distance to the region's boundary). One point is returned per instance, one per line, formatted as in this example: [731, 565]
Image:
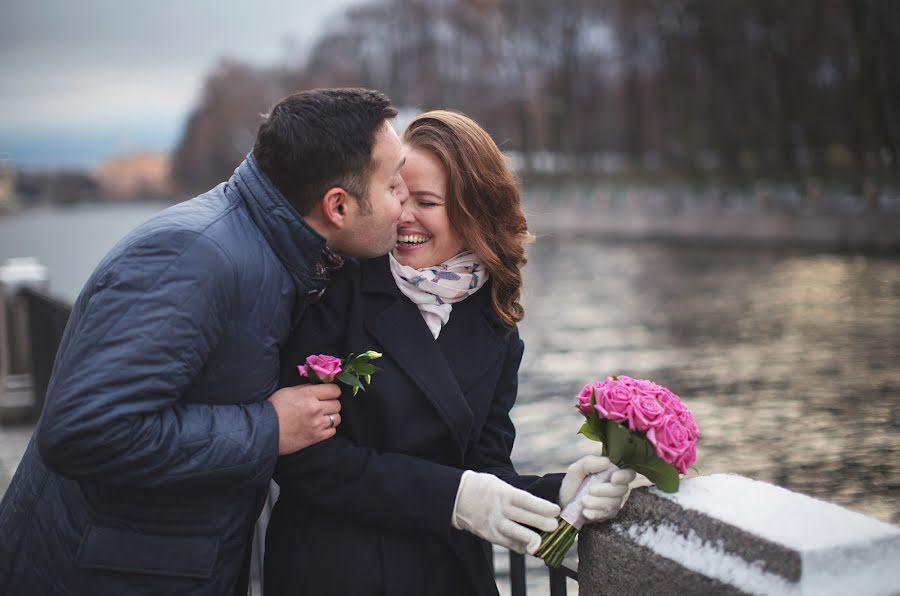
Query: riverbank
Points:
[877, 232]
[764, 217]
[635, 214]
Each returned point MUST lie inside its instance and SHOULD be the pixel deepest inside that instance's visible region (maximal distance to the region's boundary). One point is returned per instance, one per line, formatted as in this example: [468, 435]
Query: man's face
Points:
[374, 233]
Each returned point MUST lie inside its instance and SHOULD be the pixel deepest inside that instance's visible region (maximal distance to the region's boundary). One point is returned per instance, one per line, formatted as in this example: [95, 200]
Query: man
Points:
[161, 426]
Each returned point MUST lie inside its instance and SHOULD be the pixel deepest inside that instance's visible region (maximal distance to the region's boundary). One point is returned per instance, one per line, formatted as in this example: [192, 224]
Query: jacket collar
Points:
[297, 245]
[445, 369]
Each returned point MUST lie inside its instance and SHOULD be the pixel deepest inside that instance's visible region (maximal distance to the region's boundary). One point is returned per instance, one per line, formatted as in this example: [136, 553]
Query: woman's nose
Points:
[407, 210]
[403, 191]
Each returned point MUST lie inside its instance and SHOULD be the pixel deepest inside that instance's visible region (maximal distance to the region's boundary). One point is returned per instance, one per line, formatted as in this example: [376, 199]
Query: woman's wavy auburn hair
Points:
[483, 201]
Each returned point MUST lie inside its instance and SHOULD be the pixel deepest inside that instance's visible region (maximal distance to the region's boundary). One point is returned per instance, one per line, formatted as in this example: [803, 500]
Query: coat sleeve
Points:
[391, 491]
[491, 452]
[115, 411]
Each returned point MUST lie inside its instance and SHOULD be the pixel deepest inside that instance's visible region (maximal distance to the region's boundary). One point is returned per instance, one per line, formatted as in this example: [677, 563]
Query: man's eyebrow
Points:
[400, 165]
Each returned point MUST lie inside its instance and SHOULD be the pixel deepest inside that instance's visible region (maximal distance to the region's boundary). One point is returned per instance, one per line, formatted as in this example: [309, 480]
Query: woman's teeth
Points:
[412, 239]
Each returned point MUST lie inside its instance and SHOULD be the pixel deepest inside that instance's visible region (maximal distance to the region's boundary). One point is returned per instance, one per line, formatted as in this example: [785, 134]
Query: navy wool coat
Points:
[153, 455]
[368, 512]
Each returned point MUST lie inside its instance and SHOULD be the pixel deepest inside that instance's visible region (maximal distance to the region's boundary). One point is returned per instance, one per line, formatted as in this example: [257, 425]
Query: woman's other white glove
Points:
[499, 513]
[607, 492]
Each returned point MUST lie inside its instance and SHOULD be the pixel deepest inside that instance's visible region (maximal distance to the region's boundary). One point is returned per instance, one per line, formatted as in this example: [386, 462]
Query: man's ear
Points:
[336, 206]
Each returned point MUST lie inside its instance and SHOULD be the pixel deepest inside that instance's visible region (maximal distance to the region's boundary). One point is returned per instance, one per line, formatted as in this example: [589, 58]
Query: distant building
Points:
[136, 176]
[52, 187]
[7, 187]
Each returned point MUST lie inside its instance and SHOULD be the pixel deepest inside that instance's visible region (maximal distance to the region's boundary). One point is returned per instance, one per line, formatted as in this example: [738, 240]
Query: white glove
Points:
[492, 509]
[606, 493]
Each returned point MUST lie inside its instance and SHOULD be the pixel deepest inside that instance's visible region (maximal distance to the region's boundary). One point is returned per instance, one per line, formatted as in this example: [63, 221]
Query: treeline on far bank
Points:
[800, 90]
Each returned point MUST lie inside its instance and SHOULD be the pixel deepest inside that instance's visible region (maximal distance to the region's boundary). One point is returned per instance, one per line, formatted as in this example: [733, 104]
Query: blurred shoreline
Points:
[647, 214]
[740, 220]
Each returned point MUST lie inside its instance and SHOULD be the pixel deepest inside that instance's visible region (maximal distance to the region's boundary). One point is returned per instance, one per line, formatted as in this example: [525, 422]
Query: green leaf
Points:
[599, 426]
[346, 377]
[663, 475]
[588, 431]
[362, 369]
[642, 449]
[596, 426]
[364, 358]
[617, 442]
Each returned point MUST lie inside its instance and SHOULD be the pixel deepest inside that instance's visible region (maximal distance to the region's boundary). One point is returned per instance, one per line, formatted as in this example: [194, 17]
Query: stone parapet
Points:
[726, 534]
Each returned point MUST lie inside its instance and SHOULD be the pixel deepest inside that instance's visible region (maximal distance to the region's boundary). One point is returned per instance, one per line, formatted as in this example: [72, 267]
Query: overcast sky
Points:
[83, 79]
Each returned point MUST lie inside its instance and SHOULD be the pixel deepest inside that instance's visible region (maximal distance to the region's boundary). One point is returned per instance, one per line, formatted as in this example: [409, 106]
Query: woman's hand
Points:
[604, 496]
[501, 514]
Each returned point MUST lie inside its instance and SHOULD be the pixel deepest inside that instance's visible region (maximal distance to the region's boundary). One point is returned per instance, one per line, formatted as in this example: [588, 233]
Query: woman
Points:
[395, 503]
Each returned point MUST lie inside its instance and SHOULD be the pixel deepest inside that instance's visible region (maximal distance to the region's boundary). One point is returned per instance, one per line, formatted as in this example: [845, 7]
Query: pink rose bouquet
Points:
[643, 426]
[355, 371]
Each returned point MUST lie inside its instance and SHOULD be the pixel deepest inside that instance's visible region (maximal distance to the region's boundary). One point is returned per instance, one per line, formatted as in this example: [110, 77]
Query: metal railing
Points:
[517, 570]
[47, 318]
[557, 576]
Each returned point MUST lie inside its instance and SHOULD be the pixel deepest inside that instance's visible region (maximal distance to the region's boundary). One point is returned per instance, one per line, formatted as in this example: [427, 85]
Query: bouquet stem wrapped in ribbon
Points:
[643, 426]
[355, 371]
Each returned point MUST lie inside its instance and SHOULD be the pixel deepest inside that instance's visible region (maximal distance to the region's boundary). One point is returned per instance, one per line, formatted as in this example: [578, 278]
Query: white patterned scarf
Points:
[435, 289]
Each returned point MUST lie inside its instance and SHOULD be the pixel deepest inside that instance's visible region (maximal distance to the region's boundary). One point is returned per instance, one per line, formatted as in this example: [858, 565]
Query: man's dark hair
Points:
[315, 140]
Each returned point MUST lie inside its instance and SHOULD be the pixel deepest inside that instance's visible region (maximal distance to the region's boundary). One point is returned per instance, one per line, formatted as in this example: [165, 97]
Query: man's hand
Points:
[499, 513]
[306, 414]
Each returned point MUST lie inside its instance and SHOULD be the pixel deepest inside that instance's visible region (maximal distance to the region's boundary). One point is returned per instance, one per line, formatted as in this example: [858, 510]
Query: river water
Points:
[790, 360]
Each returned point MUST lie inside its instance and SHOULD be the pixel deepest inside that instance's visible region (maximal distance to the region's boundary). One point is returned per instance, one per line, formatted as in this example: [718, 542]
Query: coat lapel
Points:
[473, 339]
[397, 326]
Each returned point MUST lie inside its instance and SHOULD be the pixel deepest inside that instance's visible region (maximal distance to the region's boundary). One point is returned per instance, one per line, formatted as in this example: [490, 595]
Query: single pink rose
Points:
[666, 395]
[613, 400]
[642, 384]
[690, 425]
[646, 411]
[624, 380]
[584, 401]
[670, 439]
[686, 459]
[672, 402]
[324, 367]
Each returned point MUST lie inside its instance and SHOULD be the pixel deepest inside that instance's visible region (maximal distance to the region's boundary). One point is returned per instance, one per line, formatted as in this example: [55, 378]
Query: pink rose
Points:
[625, 381]
[584, 401]
[672, 403]
[670, 439]
[686, 459]
[613, 400]
[646, 411]
[324, 367]
[687, 421]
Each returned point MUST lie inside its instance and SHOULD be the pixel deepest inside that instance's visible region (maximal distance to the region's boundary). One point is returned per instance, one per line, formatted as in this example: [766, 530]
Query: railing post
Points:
[15, 275]
[557, 582]
[16, 382]
[517, 573]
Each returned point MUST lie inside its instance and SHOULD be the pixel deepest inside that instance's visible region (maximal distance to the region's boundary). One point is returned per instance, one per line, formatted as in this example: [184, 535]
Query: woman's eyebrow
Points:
[426, 192]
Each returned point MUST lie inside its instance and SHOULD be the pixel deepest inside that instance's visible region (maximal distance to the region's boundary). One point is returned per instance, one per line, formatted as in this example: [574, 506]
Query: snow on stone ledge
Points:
[842, 552]
[792, 519]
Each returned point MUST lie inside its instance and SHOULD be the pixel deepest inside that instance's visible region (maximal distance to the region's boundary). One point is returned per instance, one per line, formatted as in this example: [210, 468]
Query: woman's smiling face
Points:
[424, 235]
